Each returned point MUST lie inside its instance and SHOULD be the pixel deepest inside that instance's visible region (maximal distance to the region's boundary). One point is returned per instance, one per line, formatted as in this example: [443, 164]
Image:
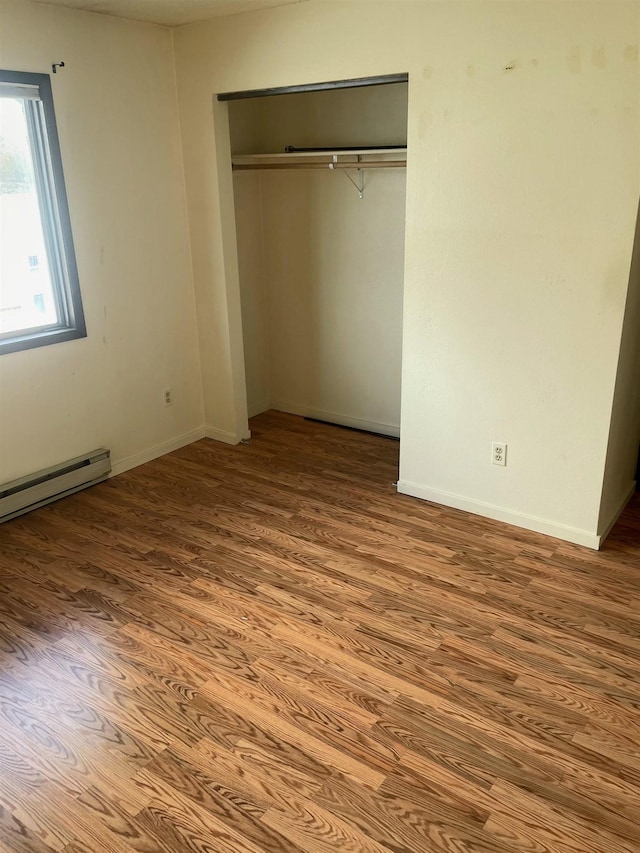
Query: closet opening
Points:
[319, 175]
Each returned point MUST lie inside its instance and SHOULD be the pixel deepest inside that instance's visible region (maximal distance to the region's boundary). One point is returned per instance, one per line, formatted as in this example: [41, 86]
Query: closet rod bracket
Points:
[359, 184]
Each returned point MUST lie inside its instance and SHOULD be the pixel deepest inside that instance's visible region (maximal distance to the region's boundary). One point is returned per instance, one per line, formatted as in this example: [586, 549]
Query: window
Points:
[39, 293]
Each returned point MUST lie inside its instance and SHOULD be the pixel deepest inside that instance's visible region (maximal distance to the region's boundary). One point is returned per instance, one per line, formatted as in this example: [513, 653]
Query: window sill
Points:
[43, 338]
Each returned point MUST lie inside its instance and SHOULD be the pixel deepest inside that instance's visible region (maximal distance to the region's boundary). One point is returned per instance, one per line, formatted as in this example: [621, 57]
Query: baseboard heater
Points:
[27, 493]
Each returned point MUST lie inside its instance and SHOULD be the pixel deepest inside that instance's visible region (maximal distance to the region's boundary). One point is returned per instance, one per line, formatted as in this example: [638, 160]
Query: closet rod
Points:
[371, 164]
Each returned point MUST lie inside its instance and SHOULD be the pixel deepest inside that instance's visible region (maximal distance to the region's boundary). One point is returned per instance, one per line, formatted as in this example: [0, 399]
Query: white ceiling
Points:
[169, 12]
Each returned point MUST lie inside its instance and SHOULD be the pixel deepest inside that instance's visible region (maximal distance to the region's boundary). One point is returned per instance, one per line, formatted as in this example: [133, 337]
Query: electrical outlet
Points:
[499, 453]
[168, 399]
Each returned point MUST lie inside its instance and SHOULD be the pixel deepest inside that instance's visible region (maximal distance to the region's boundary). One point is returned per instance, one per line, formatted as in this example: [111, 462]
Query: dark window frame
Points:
[56, 222]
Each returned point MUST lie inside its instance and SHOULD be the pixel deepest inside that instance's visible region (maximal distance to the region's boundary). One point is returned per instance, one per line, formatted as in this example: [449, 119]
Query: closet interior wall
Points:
[321, 270]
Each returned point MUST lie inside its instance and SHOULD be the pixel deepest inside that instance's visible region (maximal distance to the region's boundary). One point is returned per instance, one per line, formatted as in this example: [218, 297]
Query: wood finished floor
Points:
[265, 648]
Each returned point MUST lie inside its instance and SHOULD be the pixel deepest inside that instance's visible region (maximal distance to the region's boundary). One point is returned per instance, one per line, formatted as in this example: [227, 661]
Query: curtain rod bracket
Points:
[57, 65]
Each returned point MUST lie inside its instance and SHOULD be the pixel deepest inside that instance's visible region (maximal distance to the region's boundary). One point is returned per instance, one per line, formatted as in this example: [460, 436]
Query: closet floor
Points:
[265, 648]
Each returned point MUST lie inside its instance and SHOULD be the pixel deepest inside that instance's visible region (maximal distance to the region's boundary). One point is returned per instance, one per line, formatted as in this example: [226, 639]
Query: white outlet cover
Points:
[499, 453]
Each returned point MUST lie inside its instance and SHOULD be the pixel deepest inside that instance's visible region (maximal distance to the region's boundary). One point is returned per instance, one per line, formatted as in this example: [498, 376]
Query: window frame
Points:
[56, 222]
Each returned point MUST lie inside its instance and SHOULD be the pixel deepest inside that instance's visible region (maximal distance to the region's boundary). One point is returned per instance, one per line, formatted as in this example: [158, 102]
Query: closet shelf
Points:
[363, 158]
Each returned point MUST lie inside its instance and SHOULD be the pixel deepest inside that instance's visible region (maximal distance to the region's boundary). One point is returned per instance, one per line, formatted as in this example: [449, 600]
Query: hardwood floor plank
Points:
[244, 703]
[325, 694]
[529, 817]
[317, 830]
[16, 837]
[398, 823]
[263, 648]
[169, 774]
[181, 823]
[576, 698]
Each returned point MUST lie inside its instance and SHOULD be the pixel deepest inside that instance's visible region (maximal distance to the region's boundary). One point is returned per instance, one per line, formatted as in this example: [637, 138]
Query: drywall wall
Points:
[321, 270]
[253, 290]
[244, 135]
[624, 434]
[334, 267]
[522, 190]
[116, 111]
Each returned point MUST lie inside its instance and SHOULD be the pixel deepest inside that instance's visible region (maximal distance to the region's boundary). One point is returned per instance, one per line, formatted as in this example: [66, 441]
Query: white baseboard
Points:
[336, 418]
[259, 408]
[528, 522]
[122, 465]
[226, 437]
[615, 515]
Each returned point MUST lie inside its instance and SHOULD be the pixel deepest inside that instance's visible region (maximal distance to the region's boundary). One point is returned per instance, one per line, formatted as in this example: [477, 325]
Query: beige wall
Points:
[368, 115]
[117, 120]
[253, 291]
[321, 270]
[624, 435]
[244, 136]
[522, 189]
[334, 267]
[522, 193]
